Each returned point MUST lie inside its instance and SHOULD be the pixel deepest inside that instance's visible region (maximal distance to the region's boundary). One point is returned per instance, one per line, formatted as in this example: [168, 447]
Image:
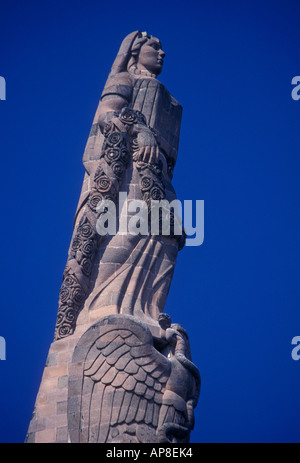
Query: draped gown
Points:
[128, 274]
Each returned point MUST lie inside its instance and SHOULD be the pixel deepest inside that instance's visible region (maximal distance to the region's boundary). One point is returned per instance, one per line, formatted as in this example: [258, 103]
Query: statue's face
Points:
[151, 56]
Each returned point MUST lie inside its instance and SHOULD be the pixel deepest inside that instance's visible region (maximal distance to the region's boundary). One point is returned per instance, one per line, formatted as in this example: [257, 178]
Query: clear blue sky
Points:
[230, 64]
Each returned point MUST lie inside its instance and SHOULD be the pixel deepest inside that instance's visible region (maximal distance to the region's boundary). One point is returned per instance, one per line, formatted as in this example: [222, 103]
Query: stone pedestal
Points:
[117, 383]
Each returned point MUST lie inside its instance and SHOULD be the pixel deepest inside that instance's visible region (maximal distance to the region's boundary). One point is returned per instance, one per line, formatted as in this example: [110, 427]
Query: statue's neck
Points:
[143, 73]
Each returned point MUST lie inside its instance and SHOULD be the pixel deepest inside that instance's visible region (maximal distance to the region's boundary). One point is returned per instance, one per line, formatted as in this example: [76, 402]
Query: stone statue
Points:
[133, 149]
[129, 370]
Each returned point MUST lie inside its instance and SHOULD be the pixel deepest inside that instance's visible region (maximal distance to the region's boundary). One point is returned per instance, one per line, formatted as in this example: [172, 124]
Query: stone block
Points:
[62, 434]
[61, 407]
[62, 382]
[47, 436]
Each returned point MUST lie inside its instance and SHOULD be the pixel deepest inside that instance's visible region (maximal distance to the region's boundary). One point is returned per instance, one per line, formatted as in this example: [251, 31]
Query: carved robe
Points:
[133, 273]
[124, 273]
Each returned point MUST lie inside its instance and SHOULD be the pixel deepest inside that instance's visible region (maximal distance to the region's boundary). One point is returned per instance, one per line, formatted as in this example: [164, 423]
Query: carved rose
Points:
[85, 230]
[113, 154]
[76, 243]
[103, 184]
[60, 317]
[89, 248]
[78, 295]
[86, 266]
[156, 193]
[64, 294]
[114, 139]
[128, 116]
[118, 168]
[64, 330]
[131, 116]
[94, 200]
[69, 280]
[146, 183]
[70, 316]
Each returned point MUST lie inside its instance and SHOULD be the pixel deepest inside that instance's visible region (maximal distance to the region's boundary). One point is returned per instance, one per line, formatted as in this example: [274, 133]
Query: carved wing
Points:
[123, 379]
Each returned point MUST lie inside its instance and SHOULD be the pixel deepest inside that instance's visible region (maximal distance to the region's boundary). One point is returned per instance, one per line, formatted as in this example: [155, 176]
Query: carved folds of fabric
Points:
[118, 147]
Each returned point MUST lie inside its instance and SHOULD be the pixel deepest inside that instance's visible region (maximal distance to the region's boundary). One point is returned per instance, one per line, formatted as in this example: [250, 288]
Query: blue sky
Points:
[230, 65]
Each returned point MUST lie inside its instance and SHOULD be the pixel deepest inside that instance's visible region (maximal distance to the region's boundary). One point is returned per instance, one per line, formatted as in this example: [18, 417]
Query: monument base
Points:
[120, 381]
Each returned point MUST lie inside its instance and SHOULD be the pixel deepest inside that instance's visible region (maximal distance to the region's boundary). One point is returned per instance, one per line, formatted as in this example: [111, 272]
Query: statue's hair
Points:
[127, 57]
[135, 51]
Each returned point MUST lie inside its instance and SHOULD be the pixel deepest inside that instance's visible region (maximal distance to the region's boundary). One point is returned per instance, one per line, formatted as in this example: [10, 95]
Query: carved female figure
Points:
[132, 148]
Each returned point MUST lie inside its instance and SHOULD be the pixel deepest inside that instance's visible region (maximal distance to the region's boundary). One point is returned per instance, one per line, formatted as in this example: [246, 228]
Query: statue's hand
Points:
[145, 147]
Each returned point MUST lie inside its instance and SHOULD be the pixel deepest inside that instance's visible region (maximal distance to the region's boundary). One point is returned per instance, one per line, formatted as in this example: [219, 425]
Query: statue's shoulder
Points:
[122, 78]
[121, 84]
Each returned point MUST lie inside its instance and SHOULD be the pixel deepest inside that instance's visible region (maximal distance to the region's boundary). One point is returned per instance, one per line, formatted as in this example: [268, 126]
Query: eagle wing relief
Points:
[119, 380]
